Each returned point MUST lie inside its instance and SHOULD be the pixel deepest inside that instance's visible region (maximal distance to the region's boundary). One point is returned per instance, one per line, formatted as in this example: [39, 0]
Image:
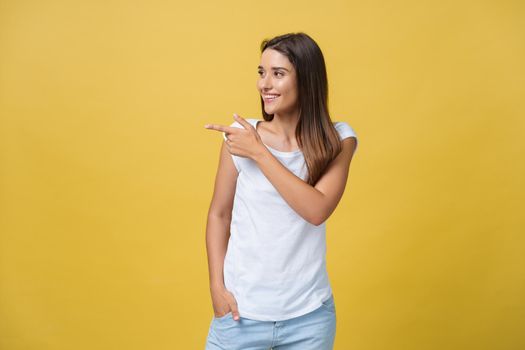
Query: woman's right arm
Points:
[219, 218]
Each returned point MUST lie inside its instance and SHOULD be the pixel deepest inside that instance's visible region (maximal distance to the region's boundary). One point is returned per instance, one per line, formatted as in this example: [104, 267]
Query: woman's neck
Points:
[284, 126]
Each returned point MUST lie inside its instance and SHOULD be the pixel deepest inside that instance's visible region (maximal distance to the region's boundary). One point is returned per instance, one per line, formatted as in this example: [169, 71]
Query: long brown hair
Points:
[315, 134]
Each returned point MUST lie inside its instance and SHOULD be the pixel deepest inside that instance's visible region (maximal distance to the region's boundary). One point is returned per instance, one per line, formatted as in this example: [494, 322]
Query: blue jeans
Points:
[312, 331]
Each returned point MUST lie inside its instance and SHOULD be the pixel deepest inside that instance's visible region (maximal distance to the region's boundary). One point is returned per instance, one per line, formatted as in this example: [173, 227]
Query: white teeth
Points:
[270, 96]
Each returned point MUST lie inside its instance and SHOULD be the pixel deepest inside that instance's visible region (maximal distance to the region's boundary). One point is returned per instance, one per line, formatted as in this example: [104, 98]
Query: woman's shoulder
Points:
[344, 129]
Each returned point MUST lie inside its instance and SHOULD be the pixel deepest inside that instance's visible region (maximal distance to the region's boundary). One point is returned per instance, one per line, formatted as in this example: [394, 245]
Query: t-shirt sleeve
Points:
[345, 131]
[234, 158]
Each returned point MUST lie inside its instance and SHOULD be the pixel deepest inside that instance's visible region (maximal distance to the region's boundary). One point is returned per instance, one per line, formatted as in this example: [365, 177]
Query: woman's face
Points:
[277, 83]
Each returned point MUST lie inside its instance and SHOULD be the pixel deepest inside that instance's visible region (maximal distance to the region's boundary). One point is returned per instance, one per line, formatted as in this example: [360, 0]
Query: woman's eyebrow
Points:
[275, 68]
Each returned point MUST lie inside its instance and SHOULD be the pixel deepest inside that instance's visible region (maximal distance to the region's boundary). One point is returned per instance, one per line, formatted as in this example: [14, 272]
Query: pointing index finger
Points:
[214, 127]
[218, 127]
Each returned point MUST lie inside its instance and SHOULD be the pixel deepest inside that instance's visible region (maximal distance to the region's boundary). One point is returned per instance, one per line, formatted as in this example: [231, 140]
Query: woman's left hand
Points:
[241, 142]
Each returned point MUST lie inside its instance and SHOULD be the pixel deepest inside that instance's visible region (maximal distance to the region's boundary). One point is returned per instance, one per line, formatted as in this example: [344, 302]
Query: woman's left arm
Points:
[314, 203]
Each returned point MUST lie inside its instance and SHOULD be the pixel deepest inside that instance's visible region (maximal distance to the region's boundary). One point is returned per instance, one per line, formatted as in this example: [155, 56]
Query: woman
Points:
[278, 181]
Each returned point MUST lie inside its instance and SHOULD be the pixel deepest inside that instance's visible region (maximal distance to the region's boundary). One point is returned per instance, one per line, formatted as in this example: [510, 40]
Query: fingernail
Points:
[207, 125]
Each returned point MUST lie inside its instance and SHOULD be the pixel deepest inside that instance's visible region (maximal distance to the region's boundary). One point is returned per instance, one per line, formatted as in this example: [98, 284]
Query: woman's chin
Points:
[269, 109]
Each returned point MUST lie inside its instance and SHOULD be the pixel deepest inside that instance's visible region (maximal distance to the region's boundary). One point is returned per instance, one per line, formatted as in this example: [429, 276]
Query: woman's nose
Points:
[266, 83]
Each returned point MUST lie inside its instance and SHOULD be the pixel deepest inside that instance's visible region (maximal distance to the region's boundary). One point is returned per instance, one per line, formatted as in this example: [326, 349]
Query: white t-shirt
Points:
[275, 262]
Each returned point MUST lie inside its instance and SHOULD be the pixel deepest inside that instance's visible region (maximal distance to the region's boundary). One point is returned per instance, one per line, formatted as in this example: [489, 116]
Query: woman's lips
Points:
[270, 99]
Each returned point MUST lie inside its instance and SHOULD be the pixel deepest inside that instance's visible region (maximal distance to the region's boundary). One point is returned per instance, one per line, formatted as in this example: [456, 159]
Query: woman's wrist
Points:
[262, 153]
[217, 286]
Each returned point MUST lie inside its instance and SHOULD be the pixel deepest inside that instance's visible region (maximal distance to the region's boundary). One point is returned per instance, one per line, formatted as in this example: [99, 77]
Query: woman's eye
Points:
[276, 73]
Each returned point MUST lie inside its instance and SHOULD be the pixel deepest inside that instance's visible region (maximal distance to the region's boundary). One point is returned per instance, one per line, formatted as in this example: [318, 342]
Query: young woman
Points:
[278, 181]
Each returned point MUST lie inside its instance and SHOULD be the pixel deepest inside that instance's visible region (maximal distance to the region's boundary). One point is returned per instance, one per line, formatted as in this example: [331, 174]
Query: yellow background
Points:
[107, 171]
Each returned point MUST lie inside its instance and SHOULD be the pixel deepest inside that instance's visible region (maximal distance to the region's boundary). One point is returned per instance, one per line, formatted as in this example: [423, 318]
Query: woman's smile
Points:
[269, 98]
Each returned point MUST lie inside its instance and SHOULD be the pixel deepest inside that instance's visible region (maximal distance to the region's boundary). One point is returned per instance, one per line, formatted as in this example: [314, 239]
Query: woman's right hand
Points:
[224, 302]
